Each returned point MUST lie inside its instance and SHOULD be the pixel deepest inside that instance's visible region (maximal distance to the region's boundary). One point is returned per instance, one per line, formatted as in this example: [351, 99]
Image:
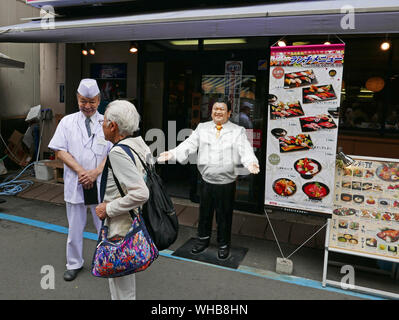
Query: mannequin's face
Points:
[220, 113]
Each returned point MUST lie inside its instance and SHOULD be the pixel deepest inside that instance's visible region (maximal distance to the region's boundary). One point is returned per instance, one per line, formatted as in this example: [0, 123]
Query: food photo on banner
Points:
[304, 98]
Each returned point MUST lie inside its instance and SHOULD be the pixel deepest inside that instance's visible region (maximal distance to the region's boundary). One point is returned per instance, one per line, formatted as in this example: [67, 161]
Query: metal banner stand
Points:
[284, 264]
[337, 284]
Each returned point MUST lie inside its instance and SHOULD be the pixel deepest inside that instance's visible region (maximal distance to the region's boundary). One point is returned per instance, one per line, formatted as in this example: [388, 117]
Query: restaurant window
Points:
[370, 83]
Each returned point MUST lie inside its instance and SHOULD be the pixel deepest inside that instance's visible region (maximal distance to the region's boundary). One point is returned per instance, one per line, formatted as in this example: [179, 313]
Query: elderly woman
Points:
[121, 119]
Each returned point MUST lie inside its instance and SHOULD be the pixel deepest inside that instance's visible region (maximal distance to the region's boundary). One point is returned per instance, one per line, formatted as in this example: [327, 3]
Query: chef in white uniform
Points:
[79, 142]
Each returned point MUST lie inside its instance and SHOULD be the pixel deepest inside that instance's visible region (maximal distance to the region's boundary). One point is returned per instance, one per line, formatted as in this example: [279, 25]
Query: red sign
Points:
[278, 72]
[255, 137]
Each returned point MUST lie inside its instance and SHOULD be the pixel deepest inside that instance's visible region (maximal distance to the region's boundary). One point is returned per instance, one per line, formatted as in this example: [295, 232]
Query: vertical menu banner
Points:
[304, 98]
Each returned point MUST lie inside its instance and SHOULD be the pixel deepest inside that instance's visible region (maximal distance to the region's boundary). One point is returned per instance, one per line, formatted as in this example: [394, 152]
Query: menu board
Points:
[303, 108]
[366, 208]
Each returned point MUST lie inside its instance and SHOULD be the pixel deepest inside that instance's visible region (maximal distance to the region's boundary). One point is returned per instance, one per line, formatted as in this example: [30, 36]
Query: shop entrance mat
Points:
[210, 255]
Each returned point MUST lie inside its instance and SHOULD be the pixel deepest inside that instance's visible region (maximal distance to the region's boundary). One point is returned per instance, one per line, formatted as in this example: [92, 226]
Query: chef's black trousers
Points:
[219, 198]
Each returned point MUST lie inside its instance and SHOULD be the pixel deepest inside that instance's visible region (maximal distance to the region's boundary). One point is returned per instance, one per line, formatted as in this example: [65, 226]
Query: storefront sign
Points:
[366, 208]
[112, 81]
[233, 79]
[305, 94]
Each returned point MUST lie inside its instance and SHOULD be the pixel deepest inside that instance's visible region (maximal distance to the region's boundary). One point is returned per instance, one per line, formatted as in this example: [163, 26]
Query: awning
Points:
[7, 62]
[66, 3]
[293, 18]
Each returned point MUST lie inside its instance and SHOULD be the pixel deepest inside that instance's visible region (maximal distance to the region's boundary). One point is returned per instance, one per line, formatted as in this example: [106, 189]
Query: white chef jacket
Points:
[218, 158]
[71, 136]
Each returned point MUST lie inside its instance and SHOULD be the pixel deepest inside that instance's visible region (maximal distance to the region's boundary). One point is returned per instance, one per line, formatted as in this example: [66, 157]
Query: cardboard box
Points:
[19, 153]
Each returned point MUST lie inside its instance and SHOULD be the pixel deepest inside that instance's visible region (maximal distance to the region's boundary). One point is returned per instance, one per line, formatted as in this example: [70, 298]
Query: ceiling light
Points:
[85, 52]
[208, 42]
[300, 43]
[133, 48]
[92, 51]
[281, 43]
[327, 42]
[184, 42]
[385, 45]
[224, 41]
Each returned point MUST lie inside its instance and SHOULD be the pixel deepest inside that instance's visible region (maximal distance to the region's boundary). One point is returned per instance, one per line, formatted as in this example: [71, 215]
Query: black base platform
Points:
[210, 255]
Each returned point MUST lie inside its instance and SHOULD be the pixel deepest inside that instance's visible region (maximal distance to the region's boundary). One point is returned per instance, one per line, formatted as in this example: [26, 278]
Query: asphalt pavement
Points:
[33, 237]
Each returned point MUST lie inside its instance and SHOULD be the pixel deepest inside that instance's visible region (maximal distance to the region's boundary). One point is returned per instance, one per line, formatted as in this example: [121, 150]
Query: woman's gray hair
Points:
[124, 114]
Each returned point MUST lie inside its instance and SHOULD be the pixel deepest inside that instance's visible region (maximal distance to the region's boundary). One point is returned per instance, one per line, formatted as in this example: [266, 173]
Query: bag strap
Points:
[102, 188]
[104, 177]
[129, 150]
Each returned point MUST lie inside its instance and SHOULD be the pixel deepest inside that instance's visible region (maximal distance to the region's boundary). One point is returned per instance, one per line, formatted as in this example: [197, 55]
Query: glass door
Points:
[193, 78]
[248, 102]
[181, 113]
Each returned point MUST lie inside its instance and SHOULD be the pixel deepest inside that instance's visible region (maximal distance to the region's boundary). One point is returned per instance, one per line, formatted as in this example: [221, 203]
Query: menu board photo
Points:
[366, 208]
[303, 107]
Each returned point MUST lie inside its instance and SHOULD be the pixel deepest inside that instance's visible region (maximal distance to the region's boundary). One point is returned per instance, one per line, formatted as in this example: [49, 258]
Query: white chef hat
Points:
[88, 88]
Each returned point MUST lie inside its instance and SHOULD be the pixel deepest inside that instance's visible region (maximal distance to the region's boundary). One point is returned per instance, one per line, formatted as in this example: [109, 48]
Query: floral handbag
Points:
[133, 253]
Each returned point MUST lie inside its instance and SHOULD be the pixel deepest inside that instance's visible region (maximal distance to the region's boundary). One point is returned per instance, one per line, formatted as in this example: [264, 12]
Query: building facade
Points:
[180, 68]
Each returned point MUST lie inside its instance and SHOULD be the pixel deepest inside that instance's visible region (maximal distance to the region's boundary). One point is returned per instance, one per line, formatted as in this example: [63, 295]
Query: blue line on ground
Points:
[278, 277]
[168, 254]
[44, 225]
